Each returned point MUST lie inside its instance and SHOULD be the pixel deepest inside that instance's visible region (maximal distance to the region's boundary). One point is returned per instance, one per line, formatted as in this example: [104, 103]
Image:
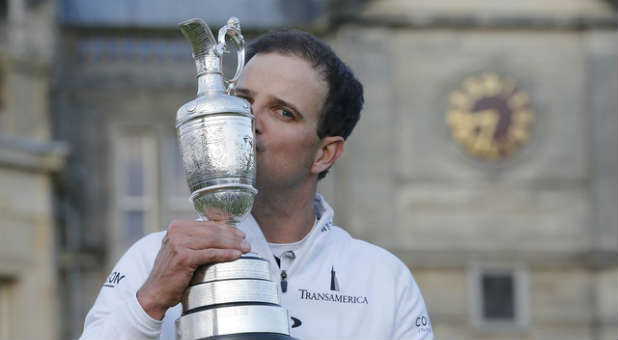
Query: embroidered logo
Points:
[422, 324]
[334, 284]
[296, 322]
[113, 279]
[333, 295]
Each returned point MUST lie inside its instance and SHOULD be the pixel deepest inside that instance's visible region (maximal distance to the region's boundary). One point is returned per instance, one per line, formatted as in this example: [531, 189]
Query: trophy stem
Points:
[209, 74]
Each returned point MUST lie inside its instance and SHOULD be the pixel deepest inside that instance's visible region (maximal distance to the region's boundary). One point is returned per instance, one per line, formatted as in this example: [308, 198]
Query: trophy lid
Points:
[212, 95]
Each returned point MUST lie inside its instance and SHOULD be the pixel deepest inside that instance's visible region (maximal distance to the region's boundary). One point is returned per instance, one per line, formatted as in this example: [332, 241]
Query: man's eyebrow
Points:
[239, 91]
[282, 102]
[242, 91]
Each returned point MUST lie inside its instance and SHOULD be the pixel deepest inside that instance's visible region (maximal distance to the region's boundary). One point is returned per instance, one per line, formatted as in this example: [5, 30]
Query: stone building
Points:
[29, 161]
[485, 158]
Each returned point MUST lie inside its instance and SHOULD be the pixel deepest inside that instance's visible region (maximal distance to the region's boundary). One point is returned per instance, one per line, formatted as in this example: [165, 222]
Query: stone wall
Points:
[405, 184]
[29, 286]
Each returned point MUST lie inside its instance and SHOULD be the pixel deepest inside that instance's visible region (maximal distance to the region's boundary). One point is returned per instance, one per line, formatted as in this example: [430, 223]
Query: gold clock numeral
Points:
[492, 85]
[459, 100]
[517, 101]
[523, 117]
[473, 88]
[478, 131]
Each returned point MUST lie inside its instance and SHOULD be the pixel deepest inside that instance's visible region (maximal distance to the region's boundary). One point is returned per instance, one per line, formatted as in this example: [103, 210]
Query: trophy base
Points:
[248, 266]
[233, 300]
[250, 336]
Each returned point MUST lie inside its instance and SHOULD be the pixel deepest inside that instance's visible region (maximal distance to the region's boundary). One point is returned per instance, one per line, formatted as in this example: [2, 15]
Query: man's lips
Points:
[259, 147]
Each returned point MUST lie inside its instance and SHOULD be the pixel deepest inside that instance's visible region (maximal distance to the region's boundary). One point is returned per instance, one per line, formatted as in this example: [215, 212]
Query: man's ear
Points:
[331, 148]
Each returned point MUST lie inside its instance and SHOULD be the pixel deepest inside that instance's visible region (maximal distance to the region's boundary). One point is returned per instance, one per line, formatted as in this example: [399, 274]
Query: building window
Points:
[499, 297]
[150, 186]
[175, 189]
[3, 87]
[6, 309]
[4, 10]
[136, 190]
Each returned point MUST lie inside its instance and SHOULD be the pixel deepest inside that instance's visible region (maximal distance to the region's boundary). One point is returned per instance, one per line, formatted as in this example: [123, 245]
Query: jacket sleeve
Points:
[412, 320]
[116, 313]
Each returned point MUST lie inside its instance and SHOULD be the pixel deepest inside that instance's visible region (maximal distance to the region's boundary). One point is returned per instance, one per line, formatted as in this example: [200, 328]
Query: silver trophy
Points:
[237, 299]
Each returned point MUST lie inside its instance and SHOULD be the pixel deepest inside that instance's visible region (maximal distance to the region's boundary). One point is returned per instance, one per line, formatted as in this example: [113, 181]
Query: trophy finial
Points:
[233, 21]
[199, 35]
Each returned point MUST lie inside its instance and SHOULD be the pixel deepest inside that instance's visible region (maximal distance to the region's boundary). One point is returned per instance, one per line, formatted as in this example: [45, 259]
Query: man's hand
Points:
[187, 245]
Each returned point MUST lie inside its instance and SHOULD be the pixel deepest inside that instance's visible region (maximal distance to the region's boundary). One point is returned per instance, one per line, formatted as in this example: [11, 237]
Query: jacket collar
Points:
[324, 215]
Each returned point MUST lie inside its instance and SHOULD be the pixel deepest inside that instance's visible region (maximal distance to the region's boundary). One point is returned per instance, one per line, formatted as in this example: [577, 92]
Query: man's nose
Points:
[257, 120]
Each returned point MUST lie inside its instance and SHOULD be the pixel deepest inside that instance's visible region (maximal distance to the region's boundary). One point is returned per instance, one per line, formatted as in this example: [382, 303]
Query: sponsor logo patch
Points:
[423, 324]
[113, 279]
[334, 295]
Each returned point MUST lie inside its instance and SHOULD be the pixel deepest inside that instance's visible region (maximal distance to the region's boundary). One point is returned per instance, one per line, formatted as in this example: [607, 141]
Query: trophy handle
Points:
[199, 35]
[233, 30]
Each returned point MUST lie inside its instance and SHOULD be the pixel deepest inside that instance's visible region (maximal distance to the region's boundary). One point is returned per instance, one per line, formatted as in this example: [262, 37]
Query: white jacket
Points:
[337, 288]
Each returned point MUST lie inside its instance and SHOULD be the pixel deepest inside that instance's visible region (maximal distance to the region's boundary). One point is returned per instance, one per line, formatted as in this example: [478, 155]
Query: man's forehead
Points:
[288, 77]
[284, 64]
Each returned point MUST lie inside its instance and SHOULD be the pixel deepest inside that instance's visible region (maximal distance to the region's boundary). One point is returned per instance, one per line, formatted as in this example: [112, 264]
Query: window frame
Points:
[165, 204]
[148, 203]
[7, 304]
[174, 206]
[519, 275]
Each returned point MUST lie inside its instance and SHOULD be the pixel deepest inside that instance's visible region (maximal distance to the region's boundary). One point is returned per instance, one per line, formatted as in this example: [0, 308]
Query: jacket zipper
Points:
[284, 282]
[286, 258]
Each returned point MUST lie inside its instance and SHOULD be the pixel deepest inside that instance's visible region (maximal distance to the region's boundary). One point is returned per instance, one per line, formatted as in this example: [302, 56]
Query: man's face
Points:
[286, 96]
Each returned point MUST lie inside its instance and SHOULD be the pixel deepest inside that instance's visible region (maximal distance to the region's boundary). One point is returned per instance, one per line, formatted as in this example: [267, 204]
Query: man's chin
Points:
[265, 184]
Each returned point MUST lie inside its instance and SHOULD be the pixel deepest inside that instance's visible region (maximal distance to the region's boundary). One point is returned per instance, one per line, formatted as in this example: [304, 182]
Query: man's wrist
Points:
[149, 304]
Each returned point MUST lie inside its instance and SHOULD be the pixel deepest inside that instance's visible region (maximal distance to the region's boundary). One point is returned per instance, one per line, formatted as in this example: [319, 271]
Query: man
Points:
[306, 103]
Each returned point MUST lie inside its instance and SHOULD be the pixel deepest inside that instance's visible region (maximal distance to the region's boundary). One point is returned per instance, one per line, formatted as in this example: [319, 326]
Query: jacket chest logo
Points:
[334, 293]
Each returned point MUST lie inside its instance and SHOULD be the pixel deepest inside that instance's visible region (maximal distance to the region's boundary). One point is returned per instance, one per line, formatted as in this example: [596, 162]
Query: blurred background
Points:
[486, 156]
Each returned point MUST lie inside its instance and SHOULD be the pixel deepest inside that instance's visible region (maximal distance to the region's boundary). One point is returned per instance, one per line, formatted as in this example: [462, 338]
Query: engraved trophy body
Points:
[237, 299]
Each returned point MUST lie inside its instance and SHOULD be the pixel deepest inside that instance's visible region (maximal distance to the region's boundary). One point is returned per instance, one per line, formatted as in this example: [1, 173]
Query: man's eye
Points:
[285, 113]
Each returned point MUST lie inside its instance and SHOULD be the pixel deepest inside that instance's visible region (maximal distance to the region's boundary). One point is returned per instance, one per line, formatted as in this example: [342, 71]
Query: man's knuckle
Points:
[231, 229]
[173, 227]
[232, 254]
[215, 255]
[208, 239]
[209, 254]
[183, 258]
[222, 227]
[173, 247]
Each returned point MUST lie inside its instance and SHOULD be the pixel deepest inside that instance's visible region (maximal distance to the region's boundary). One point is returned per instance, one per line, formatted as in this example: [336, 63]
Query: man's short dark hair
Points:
[344, 100]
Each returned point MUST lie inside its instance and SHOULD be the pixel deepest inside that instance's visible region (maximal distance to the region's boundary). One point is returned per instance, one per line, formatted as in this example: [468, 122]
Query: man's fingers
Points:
[206, 256]
[217, 239]
[202, 235]
[197, 226]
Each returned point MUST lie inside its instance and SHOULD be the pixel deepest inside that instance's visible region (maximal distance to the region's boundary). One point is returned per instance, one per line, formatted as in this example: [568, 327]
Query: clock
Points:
[489, 116]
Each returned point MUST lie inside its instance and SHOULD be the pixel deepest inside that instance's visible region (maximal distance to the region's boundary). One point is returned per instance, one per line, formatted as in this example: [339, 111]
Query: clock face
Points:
[489, 117]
